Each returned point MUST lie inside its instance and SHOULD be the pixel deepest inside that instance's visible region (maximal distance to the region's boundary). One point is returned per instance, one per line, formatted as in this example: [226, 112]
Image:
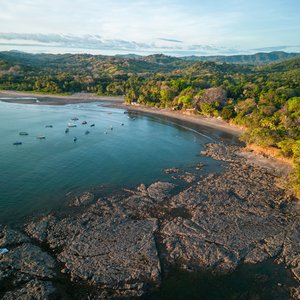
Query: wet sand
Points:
[185, 116]
[48, 99]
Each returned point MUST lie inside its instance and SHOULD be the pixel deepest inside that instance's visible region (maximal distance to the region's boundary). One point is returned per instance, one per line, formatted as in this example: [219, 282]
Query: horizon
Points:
[230, 27]
[141, 55]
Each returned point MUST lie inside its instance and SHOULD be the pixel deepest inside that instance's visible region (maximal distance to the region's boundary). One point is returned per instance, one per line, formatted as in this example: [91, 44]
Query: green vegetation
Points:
[263, 99]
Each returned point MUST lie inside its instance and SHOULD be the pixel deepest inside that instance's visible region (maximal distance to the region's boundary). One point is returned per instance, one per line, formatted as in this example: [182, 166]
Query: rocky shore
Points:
[121, 246]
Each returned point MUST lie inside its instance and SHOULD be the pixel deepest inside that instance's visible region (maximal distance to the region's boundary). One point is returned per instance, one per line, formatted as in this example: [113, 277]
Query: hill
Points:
[254, 59]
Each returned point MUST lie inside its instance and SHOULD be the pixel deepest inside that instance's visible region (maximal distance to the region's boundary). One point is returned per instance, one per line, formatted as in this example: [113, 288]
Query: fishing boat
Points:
[41, 137]
[75, 139]
[23, 133]
[67, 130]
[87, 132]
[74, 119]
[71, 125]
[49, 126]
[17, 143]
[92, 125]
[84, 123]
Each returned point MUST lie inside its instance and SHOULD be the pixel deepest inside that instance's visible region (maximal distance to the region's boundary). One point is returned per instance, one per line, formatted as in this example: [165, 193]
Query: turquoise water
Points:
[37, 175]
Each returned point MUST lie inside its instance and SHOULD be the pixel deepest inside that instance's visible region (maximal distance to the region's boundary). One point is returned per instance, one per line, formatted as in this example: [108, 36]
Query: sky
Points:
[178, 27]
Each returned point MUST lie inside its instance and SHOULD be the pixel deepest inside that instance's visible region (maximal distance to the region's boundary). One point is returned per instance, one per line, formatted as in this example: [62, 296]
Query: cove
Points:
[122, 150]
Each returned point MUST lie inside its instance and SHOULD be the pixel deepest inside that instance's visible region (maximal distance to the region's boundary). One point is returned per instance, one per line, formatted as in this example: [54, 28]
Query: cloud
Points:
[277, 48]
[170, 40]
[72, 41]
[96, 44]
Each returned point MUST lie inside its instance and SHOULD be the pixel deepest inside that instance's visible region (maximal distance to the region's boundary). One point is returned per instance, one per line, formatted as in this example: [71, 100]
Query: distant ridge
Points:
[135, 64]
[252, 59]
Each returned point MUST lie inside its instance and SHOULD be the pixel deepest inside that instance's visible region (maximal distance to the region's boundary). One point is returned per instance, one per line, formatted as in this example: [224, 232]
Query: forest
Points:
[261, 96]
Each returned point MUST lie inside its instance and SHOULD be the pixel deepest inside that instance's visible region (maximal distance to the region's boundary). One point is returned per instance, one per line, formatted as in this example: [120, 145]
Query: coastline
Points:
[258, 157]
[118, 102]
[215, 222]
[218, 223]
[52, 99]
[184, 116]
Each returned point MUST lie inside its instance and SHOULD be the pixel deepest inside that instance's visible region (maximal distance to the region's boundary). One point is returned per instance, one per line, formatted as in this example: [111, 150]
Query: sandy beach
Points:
[48, 99]
[185, 116]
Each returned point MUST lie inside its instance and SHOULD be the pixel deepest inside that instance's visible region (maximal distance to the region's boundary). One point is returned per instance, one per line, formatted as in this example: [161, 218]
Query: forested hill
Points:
[130, 63]
[253, 59]
[264, 99]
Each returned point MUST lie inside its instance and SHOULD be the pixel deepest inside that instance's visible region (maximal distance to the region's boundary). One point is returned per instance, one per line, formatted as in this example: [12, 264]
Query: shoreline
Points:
[52, 99]
[184, 116]
[256, 157]
[206, 224]
[261, 157]
[118, 102]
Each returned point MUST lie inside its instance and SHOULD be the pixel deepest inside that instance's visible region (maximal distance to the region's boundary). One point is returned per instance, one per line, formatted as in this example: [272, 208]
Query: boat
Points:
[41, 137]
[71, 125]
[49, 126]
[23, 133]
[17, 143]
[84, 123]
[74, 119]
[67, 130]
[75, 139]
[92, 125]
[87, 132]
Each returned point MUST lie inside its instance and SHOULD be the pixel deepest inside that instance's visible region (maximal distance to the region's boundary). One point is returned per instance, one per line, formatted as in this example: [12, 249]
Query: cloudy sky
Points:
[177, 27]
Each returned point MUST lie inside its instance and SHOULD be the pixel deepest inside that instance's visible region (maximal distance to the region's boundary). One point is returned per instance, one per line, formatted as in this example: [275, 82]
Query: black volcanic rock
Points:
[119, 245]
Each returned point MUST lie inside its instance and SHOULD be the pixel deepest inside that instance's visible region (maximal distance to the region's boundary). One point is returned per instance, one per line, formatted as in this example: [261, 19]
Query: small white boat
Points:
[71, 125]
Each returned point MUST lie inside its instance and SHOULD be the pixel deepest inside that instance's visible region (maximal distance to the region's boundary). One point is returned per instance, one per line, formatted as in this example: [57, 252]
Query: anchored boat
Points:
[23, 133]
